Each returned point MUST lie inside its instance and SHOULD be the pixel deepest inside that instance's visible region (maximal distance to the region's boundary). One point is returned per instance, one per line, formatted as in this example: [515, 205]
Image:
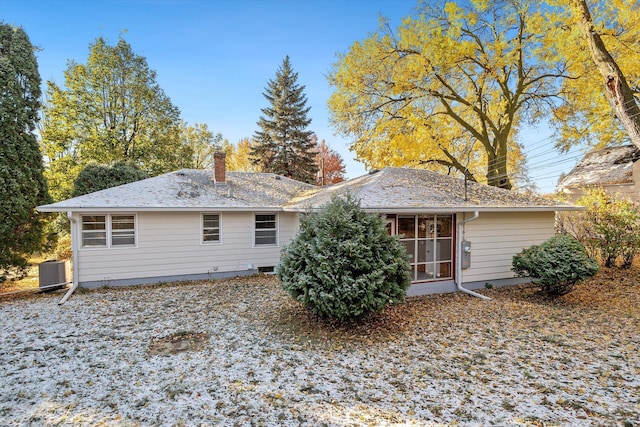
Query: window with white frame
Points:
[266, 229]
[102, 231]
[123, 230]
[94, 231]
[210, 228]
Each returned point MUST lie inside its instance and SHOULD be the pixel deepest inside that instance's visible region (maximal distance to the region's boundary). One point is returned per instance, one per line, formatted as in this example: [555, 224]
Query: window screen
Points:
[94, 231]
[123, 232]
[266, 230]
[210, 228]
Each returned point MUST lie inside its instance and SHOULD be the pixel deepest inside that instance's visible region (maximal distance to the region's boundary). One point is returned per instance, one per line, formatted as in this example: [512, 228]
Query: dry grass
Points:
[27, 283]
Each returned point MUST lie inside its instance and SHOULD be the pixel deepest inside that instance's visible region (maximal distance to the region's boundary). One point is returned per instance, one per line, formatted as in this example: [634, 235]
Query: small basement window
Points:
[267, 270]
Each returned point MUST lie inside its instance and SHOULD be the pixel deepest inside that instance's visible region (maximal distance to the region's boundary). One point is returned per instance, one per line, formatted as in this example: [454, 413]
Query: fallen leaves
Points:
[262, 358]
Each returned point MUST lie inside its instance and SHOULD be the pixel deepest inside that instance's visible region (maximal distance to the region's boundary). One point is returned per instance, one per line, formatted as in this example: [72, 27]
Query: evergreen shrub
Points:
[556, 265]
[343, 264]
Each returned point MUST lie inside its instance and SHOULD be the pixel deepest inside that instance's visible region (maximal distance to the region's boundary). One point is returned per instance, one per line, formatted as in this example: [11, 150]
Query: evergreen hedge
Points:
[343, 264]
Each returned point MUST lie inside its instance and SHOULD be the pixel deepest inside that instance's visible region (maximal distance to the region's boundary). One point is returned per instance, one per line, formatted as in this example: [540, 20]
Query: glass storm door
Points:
[428, 240]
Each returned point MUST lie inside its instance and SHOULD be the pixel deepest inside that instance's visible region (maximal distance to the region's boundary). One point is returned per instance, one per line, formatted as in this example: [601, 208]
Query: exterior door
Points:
[390, 223]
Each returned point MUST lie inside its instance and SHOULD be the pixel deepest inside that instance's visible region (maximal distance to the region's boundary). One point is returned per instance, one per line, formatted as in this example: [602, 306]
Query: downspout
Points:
[458, 278]
[74, 257]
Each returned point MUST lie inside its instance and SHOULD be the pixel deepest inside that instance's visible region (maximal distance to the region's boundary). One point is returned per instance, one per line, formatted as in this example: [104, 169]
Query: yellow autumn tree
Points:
[238, 156]
[198, 144]
[586, 113]
[449, 89]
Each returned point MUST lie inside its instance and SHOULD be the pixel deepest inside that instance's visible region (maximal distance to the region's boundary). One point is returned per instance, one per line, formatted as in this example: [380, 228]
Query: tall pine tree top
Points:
[284, 145]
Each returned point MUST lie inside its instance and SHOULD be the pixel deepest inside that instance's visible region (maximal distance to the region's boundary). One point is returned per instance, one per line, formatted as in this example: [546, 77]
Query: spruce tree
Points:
[22, 183]
[283, 145]
[343, 264]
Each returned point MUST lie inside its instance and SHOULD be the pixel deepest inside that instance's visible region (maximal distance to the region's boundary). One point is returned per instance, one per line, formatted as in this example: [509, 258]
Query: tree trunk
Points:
[497, 175]
[616, 87]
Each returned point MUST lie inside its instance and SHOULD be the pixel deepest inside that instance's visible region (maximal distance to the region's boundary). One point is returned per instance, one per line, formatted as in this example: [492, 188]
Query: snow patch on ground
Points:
[88, 362]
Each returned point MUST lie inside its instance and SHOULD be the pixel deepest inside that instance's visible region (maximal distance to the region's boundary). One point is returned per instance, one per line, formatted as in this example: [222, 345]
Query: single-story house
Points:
[616, 170]
[198, 224]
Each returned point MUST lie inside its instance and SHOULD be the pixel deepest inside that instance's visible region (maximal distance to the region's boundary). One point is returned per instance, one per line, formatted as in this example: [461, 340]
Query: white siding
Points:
[169, 244]
[496, 237]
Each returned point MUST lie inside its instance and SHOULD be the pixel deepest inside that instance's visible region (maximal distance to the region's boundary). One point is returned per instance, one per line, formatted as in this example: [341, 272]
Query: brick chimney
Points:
[219, 167]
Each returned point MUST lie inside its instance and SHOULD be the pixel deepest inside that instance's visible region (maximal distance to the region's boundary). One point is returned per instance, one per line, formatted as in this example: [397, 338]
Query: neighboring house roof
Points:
[607, 166]
[189, 189]
[389, 190]
[403, 189]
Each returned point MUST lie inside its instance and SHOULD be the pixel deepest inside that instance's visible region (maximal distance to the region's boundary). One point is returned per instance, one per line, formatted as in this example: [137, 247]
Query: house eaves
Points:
[160, 209]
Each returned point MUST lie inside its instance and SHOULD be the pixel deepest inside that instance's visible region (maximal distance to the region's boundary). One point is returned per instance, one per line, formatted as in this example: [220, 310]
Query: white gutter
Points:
[458, 278]
[93, 209]
[74, 257]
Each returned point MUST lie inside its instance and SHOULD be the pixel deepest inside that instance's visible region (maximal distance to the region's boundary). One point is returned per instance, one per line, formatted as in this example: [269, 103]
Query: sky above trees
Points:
[213, 58]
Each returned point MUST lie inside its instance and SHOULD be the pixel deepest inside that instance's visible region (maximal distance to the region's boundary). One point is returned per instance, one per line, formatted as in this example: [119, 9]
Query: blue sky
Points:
[213, 58]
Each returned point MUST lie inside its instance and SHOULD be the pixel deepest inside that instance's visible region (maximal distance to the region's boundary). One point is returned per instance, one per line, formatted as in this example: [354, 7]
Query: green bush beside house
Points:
[343, 264]
[556, 265]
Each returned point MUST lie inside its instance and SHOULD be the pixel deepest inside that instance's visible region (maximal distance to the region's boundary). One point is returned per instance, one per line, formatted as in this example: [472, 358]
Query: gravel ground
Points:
[114, 357]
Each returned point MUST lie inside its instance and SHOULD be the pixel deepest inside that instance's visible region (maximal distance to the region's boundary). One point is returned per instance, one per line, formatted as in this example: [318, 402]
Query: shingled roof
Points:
[390, 190]
[607, 166]
[414, 190]
[190, 189]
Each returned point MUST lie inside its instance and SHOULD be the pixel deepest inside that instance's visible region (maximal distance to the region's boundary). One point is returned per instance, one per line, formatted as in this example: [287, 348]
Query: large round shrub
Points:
[556, 265]
[343, 264]
[96, 177]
